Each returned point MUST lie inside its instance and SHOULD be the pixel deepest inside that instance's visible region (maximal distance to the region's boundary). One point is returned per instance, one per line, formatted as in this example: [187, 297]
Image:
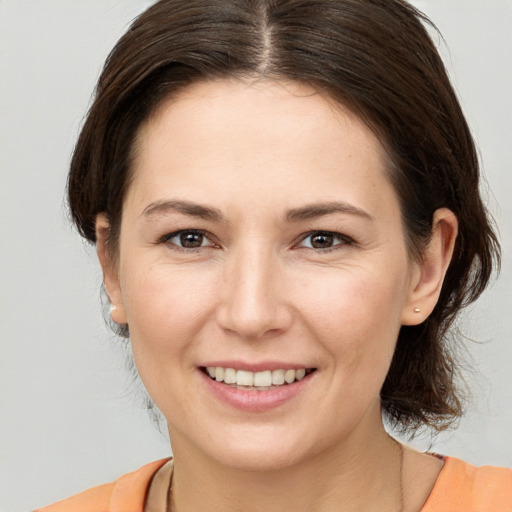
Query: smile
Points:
[260, 381]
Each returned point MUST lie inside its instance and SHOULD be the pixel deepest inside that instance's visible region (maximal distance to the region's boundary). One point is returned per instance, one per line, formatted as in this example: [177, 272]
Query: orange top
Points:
[460, 487]
[127, 494]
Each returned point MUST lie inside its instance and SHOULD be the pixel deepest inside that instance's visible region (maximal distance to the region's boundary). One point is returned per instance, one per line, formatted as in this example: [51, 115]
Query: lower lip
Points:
[253, 400]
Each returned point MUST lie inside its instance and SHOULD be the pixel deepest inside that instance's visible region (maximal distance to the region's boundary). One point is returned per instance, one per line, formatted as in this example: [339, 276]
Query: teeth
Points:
[300, 374]
[219, 373]
[278, 377]
[257, 380]
[262, 379]
[244, 378]
[289, 376]
[230, 376]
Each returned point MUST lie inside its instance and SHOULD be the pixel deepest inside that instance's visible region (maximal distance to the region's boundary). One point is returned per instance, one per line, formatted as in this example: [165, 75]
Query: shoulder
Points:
[126, 493]
[462, 487]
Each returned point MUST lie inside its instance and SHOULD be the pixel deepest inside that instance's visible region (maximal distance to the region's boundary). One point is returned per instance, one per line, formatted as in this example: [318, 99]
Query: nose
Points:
[254, 304]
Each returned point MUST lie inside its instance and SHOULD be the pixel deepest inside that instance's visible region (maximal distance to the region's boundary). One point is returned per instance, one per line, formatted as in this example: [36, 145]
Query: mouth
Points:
[260, 381]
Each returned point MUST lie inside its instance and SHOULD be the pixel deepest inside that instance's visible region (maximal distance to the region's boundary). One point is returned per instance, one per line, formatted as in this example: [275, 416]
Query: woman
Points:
[284, 199]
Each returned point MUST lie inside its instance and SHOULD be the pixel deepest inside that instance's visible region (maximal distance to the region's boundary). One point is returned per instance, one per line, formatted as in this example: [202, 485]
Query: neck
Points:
[359, 474]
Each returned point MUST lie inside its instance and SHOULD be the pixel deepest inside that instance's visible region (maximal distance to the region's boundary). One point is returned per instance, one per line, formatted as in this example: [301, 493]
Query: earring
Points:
[112, 308]
[417, 310]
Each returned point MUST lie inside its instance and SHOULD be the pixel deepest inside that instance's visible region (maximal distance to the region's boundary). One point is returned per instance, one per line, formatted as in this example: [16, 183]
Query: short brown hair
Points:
[373, 56]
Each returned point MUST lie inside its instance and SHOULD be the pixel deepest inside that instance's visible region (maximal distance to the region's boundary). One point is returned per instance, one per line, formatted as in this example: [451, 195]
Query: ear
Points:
[110, 270]
[429, 272]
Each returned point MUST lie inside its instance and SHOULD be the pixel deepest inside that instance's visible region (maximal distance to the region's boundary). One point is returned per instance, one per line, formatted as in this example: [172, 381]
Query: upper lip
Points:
[256, 366]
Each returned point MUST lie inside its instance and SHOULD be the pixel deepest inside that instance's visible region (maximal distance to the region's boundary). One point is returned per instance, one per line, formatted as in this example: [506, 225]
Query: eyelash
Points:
[166, 239]
[342, 239]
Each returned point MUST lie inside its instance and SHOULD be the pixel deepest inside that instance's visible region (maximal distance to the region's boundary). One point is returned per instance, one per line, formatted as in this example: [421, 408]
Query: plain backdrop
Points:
[70, 417]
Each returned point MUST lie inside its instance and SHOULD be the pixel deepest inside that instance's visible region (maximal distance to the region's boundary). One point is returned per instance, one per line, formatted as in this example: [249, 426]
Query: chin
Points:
[262, 449]
[258, 458]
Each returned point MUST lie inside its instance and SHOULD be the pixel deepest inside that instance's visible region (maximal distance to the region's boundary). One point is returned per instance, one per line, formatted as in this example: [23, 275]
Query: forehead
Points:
[256, 103]
[276, 138]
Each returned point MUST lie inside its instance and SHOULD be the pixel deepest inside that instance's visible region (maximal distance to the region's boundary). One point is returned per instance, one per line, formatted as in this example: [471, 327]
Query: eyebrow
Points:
[184, 207]
[308, 212]
[315, 210]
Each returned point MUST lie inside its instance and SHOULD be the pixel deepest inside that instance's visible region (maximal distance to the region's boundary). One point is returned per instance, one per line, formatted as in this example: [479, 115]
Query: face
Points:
[260, 235]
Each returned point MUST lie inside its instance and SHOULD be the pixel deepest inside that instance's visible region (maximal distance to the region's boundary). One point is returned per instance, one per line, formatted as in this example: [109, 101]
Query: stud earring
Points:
[417, 310]
[112, 308]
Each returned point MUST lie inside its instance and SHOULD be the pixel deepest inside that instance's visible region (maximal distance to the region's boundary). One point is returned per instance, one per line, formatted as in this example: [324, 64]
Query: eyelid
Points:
[166, 239]
[344, 239]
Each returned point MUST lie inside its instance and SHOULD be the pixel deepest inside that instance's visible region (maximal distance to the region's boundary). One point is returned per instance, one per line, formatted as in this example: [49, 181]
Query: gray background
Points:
[70, 418]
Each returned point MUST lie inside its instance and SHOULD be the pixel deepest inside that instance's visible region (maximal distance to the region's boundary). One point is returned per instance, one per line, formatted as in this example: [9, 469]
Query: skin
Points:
[257, 290]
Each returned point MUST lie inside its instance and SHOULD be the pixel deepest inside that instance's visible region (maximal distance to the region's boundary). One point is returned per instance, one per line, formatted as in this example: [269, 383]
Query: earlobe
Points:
[110, 270]
[430, 272]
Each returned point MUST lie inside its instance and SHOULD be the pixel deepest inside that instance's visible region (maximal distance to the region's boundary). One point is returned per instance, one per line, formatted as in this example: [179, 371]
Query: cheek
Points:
[165, 307]
[166, 312]
[357, 299]
[355, 316]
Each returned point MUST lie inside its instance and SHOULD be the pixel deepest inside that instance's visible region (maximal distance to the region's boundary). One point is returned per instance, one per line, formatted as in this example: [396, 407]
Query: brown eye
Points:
[190, 240]
[324, 240]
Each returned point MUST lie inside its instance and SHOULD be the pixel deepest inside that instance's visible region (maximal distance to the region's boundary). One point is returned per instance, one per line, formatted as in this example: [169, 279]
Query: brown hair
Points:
[373, 56]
